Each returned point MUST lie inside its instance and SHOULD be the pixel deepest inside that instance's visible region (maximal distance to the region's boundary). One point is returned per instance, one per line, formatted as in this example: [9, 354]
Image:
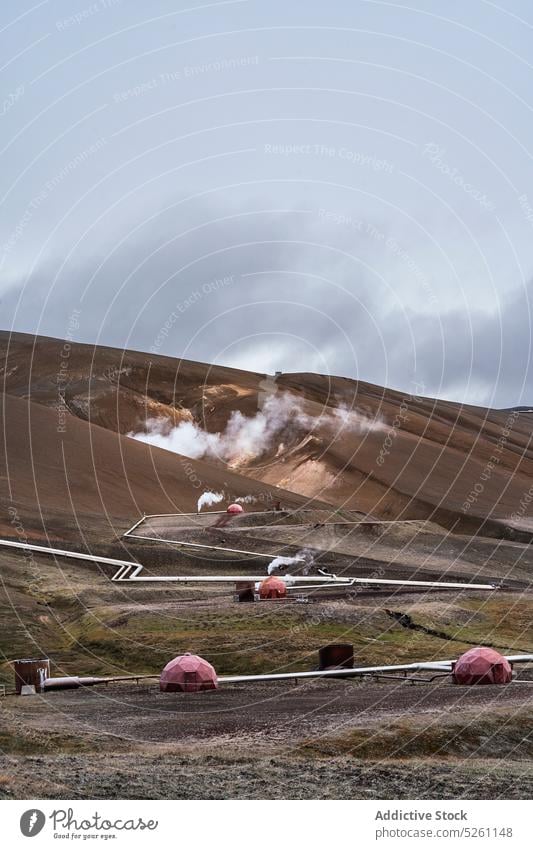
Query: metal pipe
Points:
[204, 547]
[130, 570]
[74, 682]
[519, 658]
[435, 584]
[270, 512]
[125, 574]
[317, 525]
[122, 575]
[409, 582]
[210, 513]
[441, 666]
[338, 584]
[42, 549]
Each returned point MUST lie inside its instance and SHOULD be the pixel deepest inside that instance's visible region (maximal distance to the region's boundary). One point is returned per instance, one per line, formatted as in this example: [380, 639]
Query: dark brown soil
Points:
[317, 740]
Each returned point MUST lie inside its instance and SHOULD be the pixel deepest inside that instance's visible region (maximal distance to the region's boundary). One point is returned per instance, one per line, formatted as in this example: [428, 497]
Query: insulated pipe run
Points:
[74, 682]
[128, 574]
[59, 552]
[268, 513]
[132, 573]
[439, 666]
[203, 547]
[110, 561]
[429, 666]
[442, 666]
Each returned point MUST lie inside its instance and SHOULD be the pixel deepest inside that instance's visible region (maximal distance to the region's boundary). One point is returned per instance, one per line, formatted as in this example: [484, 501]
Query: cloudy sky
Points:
[342, 187]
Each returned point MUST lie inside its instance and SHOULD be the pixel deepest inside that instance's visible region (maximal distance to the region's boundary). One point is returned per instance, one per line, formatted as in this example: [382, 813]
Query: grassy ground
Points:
[331, 740]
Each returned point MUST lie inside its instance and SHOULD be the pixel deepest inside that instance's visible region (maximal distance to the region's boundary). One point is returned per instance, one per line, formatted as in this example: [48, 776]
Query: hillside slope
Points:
[348, 443]
[86, 475]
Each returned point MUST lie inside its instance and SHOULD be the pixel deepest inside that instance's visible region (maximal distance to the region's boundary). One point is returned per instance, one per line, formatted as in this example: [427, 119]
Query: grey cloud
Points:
[271, 290]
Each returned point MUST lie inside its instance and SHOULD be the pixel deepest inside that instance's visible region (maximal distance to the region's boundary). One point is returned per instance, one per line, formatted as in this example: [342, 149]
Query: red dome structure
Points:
[273, 587]
[235, 509]
[482, 666]
[188, 673]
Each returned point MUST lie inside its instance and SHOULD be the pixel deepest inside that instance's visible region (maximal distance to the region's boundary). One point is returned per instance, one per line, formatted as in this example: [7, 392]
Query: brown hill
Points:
[349, 443]
[65, 474]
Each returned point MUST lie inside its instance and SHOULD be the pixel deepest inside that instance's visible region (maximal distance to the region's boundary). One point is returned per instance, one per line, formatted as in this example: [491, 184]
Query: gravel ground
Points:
[320, 740]
[168, 776]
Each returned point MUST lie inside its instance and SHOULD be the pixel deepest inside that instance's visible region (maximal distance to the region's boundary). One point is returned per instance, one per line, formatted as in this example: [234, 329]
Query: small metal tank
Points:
[32, 672]
[336, 656]
[244, 591]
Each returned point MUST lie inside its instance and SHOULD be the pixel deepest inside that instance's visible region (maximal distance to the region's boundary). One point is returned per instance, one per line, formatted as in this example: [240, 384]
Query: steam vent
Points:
[188, 673]
[482, 666]
[273, 587]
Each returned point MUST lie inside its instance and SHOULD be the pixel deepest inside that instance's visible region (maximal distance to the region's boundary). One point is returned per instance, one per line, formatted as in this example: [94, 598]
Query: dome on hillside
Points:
[188, 673]
[272, 587]
[482, 665]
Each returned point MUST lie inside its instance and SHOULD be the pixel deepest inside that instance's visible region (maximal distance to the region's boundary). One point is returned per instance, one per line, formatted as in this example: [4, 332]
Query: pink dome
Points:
[188, 673]
[482, 666]
[235, 508]
[273, 587]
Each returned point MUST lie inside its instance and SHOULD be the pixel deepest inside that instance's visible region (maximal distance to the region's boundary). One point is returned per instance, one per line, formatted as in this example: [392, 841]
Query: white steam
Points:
[246, 438]
[306, 556]
[278, 562]
[246, 499]
[187, 438]
[209, 498]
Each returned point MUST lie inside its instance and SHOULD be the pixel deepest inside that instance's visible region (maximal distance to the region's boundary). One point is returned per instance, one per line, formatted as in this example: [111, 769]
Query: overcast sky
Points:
[342, 187]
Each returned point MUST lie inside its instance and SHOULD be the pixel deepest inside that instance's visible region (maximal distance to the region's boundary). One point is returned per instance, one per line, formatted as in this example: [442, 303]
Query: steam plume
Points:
[305, 555]
[246, 438]
[209, 498]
